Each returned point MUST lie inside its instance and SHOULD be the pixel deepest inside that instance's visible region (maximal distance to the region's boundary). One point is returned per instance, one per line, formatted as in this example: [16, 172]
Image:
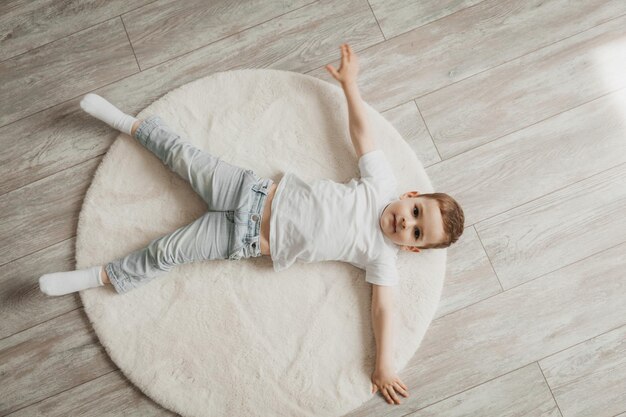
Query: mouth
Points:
[394, 223]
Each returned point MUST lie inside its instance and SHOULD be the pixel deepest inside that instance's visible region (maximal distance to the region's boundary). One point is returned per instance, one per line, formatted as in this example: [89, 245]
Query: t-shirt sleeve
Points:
[382, 273]
[374, 165]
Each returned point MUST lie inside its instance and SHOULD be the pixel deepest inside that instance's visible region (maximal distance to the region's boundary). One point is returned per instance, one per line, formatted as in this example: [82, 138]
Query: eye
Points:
[417, 231]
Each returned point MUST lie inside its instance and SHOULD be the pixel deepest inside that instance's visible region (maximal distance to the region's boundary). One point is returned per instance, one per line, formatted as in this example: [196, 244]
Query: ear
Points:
[410, 249]
[409, 194]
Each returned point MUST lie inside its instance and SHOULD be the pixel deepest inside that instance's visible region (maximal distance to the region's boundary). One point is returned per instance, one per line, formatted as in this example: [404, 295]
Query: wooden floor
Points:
[515, 108]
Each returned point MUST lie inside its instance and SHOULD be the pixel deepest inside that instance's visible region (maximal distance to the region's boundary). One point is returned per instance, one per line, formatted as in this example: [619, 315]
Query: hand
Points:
[388, 383]
[349, 67]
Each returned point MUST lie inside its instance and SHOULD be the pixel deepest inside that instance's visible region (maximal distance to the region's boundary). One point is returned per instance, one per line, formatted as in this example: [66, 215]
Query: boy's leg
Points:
[205, 238]
[100, 108]
[216, 181]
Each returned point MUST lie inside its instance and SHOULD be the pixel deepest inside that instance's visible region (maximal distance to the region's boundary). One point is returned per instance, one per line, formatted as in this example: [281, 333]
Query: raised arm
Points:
[359, 126]
[384, 377]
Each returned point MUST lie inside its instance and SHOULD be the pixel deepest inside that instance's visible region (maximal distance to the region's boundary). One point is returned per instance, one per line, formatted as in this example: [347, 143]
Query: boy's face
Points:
[412, 221]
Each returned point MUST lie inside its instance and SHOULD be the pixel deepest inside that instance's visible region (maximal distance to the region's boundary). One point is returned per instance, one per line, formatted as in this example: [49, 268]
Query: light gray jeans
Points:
[228, 230]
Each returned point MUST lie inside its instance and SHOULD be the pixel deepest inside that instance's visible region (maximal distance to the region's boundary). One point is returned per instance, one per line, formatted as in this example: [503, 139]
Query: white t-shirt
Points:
[330, 221]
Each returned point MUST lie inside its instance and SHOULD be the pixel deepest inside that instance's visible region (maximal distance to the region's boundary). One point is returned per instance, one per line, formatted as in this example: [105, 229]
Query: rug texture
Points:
[235, 338]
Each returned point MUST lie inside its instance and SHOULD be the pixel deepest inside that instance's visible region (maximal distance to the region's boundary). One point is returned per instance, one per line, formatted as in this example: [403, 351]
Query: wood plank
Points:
[28, 24]
[408, 121]
[557, 229]
[527, 90]
[589, 379]
[523, 392]
[110, 395]
[512, 329]
[43, 213]
[166, 29]
[64, 69]
[470, 277]
[50, 358]
[50, 141]
[535, 161]
[399, 16]
[64, 136]
[22, 304]
[468, 42]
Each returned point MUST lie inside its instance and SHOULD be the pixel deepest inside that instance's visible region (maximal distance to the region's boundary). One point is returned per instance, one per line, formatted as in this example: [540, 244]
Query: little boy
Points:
[360, 222]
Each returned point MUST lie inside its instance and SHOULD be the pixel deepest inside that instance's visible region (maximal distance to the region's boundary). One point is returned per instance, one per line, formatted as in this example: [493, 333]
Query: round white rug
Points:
[226, 338]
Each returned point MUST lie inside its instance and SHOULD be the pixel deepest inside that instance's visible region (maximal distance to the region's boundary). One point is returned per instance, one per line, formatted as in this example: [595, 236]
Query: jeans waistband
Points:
[246, 239]
[259, 197]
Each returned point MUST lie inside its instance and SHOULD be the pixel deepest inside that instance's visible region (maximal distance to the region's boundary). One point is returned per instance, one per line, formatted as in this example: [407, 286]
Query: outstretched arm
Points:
[384, 377]
[347, 75]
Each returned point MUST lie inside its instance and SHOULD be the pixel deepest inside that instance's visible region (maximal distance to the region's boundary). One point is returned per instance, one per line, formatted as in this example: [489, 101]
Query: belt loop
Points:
[260, 188]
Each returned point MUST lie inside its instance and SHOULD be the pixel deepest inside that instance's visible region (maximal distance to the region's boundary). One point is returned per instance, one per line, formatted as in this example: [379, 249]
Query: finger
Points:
[346, 52]
[394, 395]
[332, 71]
[386, 395]
[400, 389]
[402, 384]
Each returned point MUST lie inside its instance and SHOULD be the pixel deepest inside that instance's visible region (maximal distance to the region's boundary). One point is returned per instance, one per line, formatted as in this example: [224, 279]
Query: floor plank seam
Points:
[512, 59]
[550, 388]
[547, 194]
[432, 21]
[583, 341]
[74, 33]
[531, 280]
[535, 123]
[306, 72]
[61, 392]
[228, 36]
[57, 40]
[154, 66]
[313, 69]
[132, 47]
[40, 323]
[428, 130]
[489, 259]
[468, 389]
[521, 367]
[50, 175]
[376, 18]
[67, 101]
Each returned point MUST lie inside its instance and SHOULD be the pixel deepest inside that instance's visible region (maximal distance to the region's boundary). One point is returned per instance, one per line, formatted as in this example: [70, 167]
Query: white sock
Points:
[100, 108]
[60, 283]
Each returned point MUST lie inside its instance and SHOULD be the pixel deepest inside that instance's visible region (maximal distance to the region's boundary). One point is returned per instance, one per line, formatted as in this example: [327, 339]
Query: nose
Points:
[403, 223]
